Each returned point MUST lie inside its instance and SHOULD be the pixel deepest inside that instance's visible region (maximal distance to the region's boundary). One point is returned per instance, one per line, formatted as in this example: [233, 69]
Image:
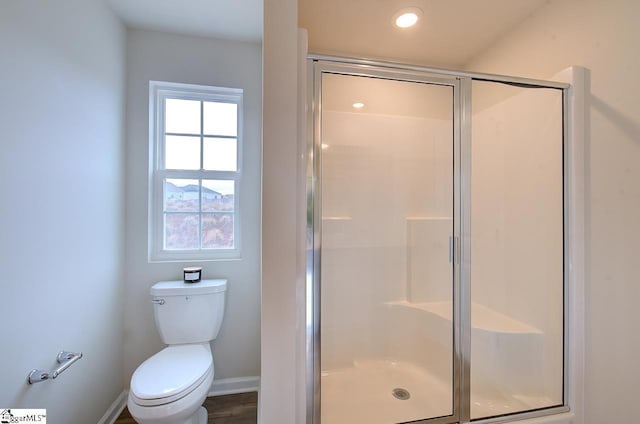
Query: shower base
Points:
[364, 393]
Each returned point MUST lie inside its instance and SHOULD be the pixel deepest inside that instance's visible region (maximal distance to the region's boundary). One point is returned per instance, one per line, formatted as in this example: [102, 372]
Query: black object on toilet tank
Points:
[192, 274]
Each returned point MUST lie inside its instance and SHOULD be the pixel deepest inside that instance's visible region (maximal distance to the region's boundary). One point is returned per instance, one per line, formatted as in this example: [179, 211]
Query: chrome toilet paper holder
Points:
[64, 358]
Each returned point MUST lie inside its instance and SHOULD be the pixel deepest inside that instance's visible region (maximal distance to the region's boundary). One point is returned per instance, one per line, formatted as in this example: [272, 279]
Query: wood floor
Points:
[241, 408]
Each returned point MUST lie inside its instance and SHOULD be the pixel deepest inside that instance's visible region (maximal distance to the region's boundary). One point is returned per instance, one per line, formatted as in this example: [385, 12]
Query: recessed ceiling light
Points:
[358, 105]
[407, 17]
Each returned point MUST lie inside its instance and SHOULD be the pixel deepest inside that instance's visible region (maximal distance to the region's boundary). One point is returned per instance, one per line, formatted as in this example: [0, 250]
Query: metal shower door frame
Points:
[314, 224]
[461, 82]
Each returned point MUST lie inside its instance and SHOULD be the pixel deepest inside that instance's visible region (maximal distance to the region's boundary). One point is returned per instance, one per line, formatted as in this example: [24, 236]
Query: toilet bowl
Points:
[170, 386]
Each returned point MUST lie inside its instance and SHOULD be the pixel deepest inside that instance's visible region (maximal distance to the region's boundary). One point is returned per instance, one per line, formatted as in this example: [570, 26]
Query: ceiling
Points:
[226, 19]
[450, 33]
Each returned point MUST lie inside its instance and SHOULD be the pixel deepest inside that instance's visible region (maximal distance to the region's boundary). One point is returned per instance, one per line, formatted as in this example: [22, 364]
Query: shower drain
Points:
[401, 394]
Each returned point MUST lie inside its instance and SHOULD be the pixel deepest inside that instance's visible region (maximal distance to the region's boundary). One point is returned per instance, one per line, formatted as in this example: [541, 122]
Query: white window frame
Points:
[158, 92]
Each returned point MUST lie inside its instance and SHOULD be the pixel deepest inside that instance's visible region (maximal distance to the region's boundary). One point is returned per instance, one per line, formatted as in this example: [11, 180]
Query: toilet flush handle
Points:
[158, 301]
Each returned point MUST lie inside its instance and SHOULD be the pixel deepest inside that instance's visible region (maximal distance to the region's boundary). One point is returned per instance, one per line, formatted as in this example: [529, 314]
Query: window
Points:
[196, 140]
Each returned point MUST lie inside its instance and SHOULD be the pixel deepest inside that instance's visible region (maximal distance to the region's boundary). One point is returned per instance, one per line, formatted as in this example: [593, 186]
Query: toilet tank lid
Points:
[180, 288]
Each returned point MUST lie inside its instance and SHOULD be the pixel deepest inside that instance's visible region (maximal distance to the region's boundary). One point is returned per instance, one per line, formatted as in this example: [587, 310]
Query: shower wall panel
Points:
[380, 173]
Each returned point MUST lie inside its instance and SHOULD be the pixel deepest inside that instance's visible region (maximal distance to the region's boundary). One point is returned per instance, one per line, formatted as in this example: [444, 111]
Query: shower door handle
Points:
[454, 250]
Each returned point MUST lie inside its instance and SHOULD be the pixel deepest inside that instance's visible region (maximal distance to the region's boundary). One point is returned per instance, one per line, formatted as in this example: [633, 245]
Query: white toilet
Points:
[170, 386]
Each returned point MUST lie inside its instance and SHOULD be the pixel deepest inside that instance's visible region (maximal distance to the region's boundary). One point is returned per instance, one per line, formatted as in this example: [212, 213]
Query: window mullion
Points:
[200, 214]
[163, 174]
[228, 137]
[200, 217]
[220, 175]
[178, 134]
[195, 174]
[201, 135]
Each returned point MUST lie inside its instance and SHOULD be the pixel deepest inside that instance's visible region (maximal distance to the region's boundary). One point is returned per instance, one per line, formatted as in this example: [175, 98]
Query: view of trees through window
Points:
[200, 136]
[197, 216]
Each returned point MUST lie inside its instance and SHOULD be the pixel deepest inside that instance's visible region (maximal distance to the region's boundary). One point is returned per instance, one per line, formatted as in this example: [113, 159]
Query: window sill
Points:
[191, 256]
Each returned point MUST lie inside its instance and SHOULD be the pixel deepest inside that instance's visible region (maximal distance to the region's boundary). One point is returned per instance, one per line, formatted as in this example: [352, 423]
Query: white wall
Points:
[61, 179]
[602, 36]
[281, 380]
[166, 57]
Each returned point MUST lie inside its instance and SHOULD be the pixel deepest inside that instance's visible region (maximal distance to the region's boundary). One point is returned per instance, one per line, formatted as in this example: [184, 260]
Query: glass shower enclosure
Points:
[436, 246]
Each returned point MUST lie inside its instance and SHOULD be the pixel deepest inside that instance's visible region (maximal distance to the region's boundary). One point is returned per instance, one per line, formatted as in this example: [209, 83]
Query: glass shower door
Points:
[386, 268]
[517, 249]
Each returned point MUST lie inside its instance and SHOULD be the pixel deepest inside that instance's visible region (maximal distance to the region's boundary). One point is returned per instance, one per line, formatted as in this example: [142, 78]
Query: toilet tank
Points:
[188, 312]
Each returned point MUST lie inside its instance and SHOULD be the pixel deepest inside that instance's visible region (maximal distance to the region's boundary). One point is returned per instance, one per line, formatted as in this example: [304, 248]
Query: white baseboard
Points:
[224, 386]
[116, 408]
[229, 386]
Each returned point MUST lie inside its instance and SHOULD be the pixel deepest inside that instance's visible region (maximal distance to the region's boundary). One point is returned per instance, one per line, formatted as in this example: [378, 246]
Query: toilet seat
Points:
[171, 374]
